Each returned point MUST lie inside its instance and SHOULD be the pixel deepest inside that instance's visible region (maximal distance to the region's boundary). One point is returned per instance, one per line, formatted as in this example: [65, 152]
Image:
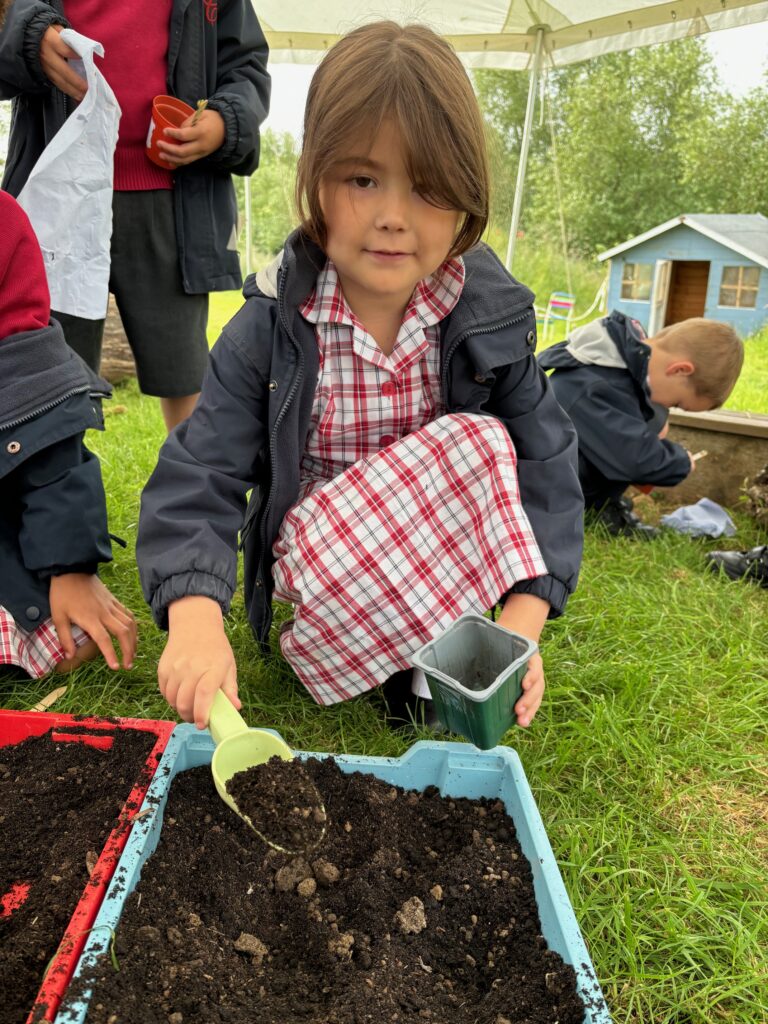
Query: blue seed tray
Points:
[457, 769]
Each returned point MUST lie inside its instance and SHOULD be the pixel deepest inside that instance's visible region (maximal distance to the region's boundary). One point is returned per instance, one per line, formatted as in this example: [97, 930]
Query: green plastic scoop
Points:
[238, 748]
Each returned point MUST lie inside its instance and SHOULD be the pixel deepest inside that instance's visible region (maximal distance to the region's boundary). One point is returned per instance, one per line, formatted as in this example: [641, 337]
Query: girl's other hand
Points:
[533, 691]
[82, 599]
[197, 660]
[526, 614]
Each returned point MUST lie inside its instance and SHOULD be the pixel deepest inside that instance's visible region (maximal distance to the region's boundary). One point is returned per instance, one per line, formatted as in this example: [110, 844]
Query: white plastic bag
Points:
[68, 196]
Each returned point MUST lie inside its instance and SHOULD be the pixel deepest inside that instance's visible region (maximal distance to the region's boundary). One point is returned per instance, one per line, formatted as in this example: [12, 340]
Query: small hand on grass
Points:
[83, 600]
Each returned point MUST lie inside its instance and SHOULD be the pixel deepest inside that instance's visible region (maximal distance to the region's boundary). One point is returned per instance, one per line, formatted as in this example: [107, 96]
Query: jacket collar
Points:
[490, 300]
[630, 346]
[38, 369]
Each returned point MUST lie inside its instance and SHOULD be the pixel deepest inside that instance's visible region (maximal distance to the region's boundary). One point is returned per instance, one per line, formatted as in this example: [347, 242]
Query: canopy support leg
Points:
[517, 201]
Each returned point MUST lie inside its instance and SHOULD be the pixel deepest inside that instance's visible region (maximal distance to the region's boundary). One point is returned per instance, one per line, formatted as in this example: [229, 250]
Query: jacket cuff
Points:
[228, 148]
[34, 31]
[85, 569]
[549, 589]
[186, 584]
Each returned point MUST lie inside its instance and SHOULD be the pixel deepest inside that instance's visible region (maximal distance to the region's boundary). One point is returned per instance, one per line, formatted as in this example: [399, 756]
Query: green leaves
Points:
[641, 136]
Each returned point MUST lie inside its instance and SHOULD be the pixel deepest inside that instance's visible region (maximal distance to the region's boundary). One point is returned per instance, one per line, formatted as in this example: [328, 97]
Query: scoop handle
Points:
[225, 720]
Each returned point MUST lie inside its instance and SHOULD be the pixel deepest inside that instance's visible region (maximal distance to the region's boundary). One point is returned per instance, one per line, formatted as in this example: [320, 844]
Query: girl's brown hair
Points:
[411, 75]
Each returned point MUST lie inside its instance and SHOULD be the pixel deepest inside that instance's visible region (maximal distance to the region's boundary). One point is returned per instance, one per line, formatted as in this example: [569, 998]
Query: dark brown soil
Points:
[282, 802]
[58, 804]
[414, 907]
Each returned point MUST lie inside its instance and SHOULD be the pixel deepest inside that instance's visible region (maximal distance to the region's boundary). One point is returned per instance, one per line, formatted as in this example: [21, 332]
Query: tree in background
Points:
[724, 156]
[641, 136]
[272, 212]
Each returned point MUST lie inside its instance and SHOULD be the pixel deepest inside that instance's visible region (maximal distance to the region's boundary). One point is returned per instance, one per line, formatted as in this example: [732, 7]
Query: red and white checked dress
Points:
[39, 651]
[407, 517]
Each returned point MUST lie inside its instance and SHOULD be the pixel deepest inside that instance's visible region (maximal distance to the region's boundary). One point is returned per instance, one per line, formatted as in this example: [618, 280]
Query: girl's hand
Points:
[526, 614]
[192, 142]
[533, 691]
[83, 599]
[54, 58]
[197, 660]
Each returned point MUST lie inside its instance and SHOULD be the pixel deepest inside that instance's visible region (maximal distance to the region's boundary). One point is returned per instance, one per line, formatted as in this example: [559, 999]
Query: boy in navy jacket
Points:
[617, 386]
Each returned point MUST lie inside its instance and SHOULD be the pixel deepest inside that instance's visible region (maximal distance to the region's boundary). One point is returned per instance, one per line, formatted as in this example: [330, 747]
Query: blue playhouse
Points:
[697, 264]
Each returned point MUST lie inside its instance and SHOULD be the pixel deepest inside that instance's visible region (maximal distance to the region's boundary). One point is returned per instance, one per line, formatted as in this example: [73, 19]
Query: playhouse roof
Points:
[745, 233]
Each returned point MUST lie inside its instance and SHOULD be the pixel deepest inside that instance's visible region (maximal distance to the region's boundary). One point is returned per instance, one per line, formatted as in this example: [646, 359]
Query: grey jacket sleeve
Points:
[242, 87]
[20, 38]
[547, 467]
[193, 505]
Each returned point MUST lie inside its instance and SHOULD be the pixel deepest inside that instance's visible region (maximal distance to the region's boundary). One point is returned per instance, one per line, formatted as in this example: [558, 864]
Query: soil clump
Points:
[58, 804]
[414, 908]
[282, 802]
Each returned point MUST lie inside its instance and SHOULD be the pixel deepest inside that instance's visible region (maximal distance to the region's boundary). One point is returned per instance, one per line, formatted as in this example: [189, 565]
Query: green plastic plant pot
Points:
[475, 672]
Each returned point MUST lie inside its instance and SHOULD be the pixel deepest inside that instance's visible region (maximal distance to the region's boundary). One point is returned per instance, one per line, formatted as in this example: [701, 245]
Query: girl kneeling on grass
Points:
[55, 613]
[379, 392]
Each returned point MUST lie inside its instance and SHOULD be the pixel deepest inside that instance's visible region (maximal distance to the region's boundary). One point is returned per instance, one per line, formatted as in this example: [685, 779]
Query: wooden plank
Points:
[747, 424]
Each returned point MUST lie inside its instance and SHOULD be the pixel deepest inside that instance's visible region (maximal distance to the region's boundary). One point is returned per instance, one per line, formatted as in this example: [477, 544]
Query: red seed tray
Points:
[16, 726]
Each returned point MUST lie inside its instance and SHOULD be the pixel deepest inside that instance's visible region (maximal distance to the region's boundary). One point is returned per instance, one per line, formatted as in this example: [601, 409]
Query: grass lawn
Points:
[649, 758]
[751, 391]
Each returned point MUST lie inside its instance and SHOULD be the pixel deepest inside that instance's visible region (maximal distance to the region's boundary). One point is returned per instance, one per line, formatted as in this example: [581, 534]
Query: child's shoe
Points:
[750, 565]
[619, 520]
[406, 708]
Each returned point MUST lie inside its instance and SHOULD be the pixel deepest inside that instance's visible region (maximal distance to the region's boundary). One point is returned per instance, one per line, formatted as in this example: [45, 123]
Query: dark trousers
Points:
[598, 489]
[165, 327]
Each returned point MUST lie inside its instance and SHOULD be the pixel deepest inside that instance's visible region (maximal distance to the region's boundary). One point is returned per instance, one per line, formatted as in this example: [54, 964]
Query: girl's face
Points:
[382, 234]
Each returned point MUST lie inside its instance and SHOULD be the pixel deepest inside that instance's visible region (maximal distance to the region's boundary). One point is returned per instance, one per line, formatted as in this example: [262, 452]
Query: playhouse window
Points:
[636, 281]
[738, 287]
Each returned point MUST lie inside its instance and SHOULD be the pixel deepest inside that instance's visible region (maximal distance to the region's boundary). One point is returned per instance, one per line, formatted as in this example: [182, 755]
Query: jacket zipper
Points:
[50, 405]
[264, 512]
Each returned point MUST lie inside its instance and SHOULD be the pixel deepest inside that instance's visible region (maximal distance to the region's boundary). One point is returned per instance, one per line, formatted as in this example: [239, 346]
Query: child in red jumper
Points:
[174, 228]
[55, 613]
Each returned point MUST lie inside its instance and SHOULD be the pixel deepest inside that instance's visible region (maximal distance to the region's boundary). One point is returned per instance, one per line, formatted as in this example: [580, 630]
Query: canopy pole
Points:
[517, 201]
[247, 192]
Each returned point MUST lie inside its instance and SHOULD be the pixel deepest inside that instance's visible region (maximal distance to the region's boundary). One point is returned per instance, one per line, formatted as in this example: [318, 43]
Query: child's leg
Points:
[605, 503]
[39, 651]
[87, 652]
[382, 558]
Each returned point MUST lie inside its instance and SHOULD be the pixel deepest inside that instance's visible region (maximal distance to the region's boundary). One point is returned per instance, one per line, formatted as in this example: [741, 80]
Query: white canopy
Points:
[502, 33]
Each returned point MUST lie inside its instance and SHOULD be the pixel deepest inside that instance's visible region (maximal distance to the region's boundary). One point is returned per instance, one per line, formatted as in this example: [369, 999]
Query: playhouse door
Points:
[659, 295]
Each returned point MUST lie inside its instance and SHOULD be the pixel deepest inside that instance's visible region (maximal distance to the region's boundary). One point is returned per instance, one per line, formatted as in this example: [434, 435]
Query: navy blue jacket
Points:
[616, 421]
[224, 60]
[250, 428]
[53, 512]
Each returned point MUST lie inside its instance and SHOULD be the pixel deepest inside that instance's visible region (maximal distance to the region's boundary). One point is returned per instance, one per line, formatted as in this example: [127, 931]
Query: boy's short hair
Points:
[714, 348]
[412, 75]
